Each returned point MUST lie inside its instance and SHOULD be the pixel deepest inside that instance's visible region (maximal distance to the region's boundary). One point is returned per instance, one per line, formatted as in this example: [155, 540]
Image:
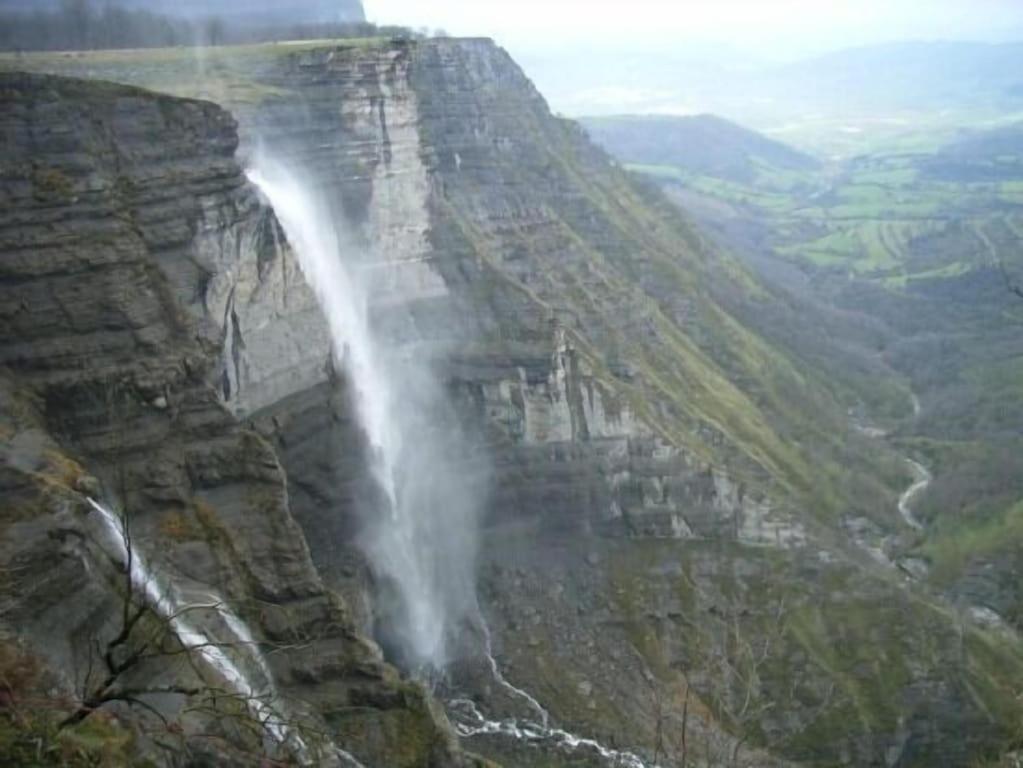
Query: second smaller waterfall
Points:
[218, 654]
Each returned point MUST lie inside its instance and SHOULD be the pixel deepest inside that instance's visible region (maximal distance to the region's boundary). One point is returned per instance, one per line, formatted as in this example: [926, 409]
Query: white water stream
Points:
[166, 603]
[502, 681]
[923, 479]
[470, 722]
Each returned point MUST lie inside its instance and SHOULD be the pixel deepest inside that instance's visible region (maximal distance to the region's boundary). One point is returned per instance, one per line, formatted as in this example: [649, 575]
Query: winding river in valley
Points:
[921, 482]
[922, 479]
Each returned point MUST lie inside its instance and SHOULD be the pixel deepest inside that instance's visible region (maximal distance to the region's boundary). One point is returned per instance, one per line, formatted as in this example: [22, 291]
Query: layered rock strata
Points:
[663, 542]
[135, 263]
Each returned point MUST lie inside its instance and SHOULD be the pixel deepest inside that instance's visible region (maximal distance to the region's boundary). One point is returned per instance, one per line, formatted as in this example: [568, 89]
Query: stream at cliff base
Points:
[469, 722]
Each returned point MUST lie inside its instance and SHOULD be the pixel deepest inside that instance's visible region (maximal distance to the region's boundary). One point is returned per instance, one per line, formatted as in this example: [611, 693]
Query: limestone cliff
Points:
[665, 543]
[666, 486]
[124, 215]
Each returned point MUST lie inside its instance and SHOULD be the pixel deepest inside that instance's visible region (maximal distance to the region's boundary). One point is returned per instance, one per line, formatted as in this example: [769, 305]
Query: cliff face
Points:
[664, 543]
[509, 250]
[669, 495]
[128, 235]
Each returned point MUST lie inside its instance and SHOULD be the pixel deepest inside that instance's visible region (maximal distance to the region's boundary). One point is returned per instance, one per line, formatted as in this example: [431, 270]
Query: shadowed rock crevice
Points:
[129, 297]
[669, 493]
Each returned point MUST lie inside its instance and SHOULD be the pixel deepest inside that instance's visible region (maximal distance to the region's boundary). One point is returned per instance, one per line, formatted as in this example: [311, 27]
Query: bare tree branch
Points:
[127, 695]
[135, 643]
[742, 639]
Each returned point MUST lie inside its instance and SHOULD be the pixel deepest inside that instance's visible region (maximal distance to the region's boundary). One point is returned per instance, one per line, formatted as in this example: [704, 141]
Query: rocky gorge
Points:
[663, 497]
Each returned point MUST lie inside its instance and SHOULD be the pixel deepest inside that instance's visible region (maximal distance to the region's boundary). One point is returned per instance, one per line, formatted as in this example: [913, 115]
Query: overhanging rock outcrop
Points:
[667, 488]
[128, 233]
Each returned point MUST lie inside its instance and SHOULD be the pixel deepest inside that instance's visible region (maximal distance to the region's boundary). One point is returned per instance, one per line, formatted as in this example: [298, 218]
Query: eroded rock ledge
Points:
[657, 483]
[128, 236]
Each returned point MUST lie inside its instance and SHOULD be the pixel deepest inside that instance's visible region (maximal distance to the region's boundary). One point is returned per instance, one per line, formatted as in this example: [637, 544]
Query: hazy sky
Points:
[775, 27]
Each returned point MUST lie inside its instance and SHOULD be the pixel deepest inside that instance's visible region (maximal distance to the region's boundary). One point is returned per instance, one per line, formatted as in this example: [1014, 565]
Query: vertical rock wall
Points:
[142, 286]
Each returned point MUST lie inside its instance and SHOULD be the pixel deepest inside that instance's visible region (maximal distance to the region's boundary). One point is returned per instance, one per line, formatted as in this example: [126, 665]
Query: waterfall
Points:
[169, 606]
[423, 537]
[419, 536]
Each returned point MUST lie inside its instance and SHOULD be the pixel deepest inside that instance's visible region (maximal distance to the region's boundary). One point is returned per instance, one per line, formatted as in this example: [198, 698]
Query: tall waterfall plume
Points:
[419, 535]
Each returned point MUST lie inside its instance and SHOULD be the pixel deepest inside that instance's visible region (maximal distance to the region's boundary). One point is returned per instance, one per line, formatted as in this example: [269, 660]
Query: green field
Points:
[874, 217]
[911, 231]
[228, 75]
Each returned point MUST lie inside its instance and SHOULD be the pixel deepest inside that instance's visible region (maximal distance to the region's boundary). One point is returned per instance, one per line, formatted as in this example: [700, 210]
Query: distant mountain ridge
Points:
[909, 74]
[975, 156]
[704, 144]
[866, 81]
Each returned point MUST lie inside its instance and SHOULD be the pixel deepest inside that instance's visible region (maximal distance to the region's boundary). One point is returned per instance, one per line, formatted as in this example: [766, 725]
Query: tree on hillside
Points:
[740, 639]
[214, 31]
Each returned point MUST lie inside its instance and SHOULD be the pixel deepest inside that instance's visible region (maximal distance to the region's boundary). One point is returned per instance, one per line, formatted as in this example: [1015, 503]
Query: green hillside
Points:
[919, 238]
[703, 143]
[750, 408]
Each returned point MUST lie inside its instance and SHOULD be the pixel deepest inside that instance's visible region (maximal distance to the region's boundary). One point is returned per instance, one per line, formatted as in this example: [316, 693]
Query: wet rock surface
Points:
[660, 553]
[124, 213]
[555, 307]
